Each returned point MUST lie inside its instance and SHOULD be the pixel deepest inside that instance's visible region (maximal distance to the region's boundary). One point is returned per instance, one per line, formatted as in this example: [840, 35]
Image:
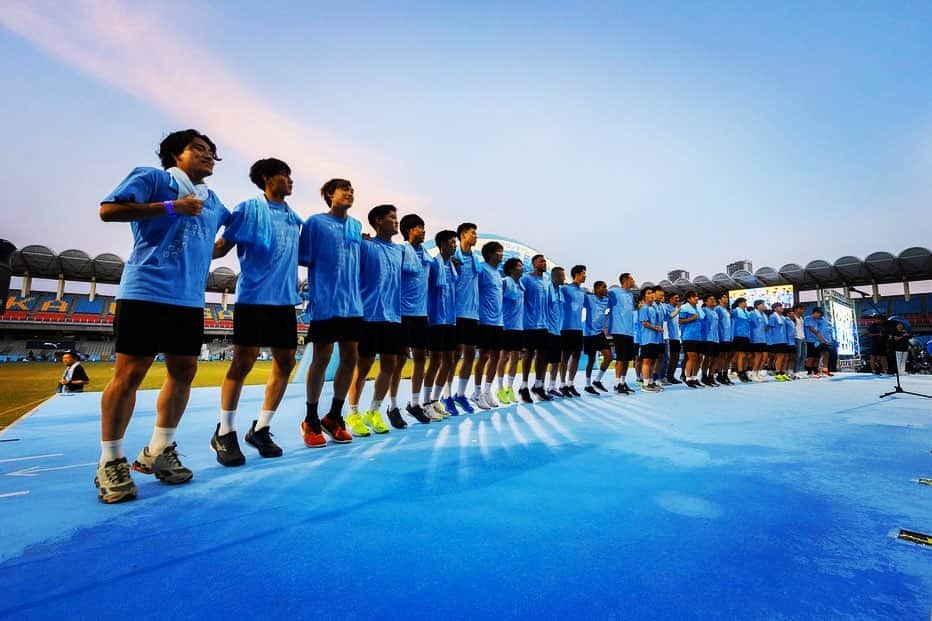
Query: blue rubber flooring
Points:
[770, 501]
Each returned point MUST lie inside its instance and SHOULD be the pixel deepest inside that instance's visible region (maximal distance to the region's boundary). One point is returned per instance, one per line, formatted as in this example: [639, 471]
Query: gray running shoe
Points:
[114, 484]
[166, 466]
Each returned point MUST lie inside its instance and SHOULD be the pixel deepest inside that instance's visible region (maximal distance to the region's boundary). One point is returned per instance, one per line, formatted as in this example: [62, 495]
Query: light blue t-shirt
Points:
[555, 309]
[329, 248]
[491, 288]
[691, 331]
[673, 326]
[574, 297]
[467, 285]
[414, 284]
[535, 301]
[171, 256]
[595, 314]
[380, 280]
[441, 299]
[648, 336]
[725, 334]
[811, 323]
[775, 334]
[789, 331]
[512, 304]
[710, 327]
[758, 323]
[268, 276]
[741, 322]
[621, 307]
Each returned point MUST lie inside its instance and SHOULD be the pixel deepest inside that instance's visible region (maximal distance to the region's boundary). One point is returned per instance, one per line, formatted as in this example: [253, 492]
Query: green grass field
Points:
[23, 386]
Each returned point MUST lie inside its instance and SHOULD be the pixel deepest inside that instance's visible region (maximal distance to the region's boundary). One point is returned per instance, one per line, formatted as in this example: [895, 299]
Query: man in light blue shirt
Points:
[264, 315]
[690, 319]
[329, 247]
[174, 219]
[650, 320]
[554, 330]
[725, 341]
[467, 310]
[758, 321]
[595, 339]
[710, 333]
[513, 334]
[671, 311]
[817, 343]
[490, 335]
[441, 321]
[621, 325]
[536, 291]
[571, 334]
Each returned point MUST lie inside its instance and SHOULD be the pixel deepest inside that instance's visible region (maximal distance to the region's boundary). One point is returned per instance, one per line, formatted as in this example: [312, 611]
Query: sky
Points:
[638, 137]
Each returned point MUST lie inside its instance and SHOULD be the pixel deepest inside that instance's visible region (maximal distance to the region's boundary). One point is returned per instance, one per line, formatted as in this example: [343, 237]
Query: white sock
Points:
[425, 394]
[227, 422]
[392, 402]
[353, 409]
[588, 381]
[415, 398]
[509, 381]
[376, 405]
[501, 383]
[110, 450]
[599, 375]
[476, 390]
[461, 385]
[265, 419]
[438, 389]
[486, 387]
[538, 383]
[523, 384]
[161, 437]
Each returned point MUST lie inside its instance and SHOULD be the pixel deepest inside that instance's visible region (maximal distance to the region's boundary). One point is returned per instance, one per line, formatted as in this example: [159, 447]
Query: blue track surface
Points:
[756, 501]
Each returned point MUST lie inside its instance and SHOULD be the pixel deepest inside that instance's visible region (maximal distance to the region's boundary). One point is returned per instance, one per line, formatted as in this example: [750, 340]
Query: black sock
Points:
[336, 409]
[311, 413]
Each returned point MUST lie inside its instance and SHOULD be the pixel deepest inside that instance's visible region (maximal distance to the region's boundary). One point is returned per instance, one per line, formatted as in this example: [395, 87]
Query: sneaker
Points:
[541, 393]
[672, 380]
[357, 426]
[512, 398]
[374, 419]
[489, 399]
[313, 438]
[572, 390]
[449, 406]
[502, 395]
[166, 466]
[418, 413]
[482, 402]
[693, 384]
[394, 417]
[436, 411]
[336, 429]
[626, 390]
[555, 394]
[618, 389]
[227, 448]
[828, 373]
[592, 391]
[664, 381]
[462, 403]
[599, 386]
[525, 395]
[639, 381]
[114, 483]
[565, 392]
[651, 388]
[261, 439]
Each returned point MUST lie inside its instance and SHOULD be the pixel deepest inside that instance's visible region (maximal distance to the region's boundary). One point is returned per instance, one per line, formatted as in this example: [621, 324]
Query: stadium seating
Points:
[899, 305]
[17, 302]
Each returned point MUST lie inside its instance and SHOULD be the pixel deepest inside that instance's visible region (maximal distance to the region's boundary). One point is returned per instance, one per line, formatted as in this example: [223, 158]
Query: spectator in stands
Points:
[265, 231]
[74, 378]
[174, 219]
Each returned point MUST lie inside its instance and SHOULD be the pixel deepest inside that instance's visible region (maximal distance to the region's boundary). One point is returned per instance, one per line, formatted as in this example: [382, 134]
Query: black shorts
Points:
[441, 338]
[148, 328]
[571, 341]
[535, 340]
[380, 337]
[878, 345]
[490, 338]
[554, 347]
[256, 325]
[467, 331]
[693, 347]
[624, 347]
[789, 349]
[813, 350]
[757, 347]
[742, 343]
[595, 343]
[710, 348]
[512, 340]
[335, 330]
[775, 349]
[414, 332]
[726, 347]
[652, 351]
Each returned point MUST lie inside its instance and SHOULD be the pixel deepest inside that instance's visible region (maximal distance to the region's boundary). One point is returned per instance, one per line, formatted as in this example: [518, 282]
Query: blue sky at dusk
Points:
[629, 137]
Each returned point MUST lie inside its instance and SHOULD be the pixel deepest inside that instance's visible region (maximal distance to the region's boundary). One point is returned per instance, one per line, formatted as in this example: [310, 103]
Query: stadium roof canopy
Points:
[107, 268]
[876, 269]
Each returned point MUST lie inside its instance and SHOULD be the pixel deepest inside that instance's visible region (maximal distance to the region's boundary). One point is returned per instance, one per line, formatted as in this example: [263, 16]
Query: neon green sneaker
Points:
[374, 419]
[357, 426]
[502, 395]
[511, 395]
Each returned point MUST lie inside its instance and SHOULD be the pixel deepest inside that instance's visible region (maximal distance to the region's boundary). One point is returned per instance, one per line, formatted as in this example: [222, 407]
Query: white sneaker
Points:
[481, 402]
[489, 399]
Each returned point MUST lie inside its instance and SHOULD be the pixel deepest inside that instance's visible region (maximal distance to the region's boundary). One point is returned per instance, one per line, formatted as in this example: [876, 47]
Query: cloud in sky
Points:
[127, 47]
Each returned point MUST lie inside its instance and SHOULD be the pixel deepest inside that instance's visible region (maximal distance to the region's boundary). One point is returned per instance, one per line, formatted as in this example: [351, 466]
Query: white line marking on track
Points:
[8, 495]
[35, 470]
[8, 460]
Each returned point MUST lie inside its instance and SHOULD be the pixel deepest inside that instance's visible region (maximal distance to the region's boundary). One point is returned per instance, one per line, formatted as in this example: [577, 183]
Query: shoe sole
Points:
[330, 435]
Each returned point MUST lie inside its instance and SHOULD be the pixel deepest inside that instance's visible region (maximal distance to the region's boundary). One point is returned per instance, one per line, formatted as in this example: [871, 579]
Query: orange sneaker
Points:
[312, 438]
[336, 430]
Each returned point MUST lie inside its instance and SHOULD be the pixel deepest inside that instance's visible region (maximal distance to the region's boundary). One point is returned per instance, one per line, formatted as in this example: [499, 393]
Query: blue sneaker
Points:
[450, 406]
[464, 404]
